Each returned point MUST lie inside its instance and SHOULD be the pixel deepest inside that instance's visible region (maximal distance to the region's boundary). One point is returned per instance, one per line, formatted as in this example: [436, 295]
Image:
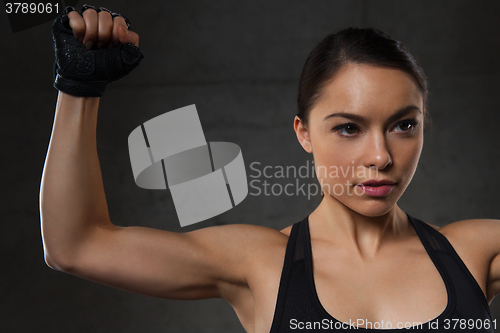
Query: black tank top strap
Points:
[450, 264]
[291, 255]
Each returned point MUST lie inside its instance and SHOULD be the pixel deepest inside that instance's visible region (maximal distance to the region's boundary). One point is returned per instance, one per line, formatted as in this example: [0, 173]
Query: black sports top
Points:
[298, 308]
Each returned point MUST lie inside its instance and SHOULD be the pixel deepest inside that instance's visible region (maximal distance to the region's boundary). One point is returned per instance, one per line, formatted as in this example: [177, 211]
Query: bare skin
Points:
[368, 261]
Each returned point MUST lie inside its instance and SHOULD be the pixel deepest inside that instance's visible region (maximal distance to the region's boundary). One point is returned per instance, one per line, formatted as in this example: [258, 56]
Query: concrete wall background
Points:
[239, 62]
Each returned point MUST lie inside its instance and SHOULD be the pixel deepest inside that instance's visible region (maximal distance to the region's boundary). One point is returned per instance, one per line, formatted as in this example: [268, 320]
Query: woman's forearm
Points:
[72, 200]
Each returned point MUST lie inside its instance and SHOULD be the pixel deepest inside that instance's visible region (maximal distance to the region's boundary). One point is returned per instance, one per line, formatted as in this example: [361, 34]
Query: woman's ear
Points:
[302, 134]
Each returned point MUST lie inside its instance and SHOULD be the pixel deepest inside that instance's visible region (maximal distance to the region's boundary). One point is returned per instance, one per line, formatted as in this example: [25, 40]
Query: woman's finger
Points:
[77, 23]
[126, 36]
[105, 28]
[116, 23]
[91, 28]
[121, 34]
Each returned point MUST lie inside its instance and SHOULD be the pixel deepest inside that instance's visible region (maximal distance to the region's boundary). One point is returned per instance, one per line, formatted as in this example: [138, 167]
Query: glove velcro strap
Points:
[79, 88]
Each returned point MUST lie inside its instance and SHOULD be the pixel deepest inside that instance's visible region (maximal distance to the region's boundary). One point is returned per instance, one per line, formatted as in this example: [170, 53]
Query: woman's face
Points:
[366, 126]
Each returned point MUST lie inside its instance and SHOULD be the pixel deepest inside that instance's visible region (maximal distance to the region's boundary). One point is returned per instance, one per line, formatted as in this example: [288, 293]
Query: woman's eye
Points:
[346, 129]
[406, 125]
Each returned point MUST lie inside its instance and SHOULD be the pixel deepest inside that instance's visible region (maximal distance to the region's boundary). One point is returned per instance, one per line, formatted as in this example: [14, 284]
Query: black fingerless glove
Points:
[83, 72]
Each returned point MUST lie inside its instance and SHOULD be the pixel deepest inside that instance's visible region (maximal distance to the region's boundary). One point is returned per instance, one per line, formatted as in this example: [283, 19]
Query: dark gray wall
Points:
[239, 62]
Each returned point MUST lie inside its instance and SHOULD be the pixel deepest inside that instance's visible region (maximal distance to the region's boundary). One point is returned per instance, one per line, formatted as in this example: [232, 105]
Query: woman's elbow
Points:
[59, 262]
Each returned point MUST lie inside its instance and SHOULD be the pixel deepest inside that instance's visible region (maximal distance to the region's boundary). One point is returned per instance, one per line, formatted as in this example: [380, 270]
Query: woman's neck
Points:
[335, 222]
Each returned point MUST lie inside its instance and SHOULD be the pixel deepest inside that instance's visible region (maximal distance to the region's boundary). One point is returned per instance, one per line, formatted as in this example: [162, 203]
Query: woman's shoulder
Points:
[477, 242]
[474, 230]
[475, 239]
[250, 232]
[247, 233]
[479, 233]
[287, 230]
[242, 239]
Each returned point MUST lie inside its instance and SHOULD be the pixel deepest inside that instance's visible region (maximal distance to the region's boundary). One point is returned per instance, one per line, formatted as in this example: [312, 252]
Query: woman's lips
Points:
[377, 188]
[376, 191]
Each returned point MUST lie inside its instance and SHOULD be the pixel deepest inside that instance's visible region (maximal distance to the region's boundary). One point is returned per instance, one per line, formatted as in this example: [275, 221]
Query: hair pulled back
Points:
[353, 46]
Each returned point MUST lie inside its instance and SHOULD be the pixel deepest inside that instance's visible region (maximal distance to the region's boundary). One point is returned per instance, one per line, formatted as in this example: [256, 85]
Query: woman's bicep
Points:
[152, 262]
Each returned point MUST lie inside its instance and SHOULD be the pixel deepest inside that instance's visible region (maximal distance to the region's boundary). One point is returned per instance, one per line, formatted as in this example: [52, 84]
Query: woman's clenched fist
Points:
[92, 49]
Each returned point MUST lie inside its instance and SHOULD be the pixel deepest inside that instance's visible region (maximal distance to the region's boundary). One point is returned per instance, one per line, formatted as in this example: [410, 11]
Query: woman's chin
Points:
[374, 211]
[369, 206]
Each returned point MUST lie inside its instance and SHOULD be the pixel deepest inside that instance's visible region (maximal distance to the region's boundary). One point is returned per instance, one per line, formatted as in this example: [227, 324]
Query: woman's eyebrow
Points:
[398, 114]
[403, 112]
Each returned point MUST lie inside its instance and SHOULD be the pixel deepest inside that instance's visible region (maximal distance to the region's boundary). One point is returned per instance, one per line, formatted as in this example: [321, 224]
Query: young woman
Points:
[357, 261]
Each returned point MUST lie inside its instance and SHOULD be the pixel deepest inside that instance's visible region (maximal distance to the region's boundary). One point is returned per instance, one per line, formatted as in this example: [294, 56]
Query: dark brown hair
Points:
[353, 45]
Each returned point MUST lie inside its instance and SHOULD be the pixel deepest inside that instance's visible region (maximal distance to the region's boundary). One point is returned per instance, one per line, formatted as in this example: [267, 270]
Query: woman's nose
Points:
[377, 153]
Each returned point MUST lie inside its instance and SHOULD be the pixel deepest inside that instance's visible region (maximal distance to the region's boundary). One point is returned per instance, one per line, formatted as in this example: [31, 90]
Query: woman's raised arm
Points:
[79, 238]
